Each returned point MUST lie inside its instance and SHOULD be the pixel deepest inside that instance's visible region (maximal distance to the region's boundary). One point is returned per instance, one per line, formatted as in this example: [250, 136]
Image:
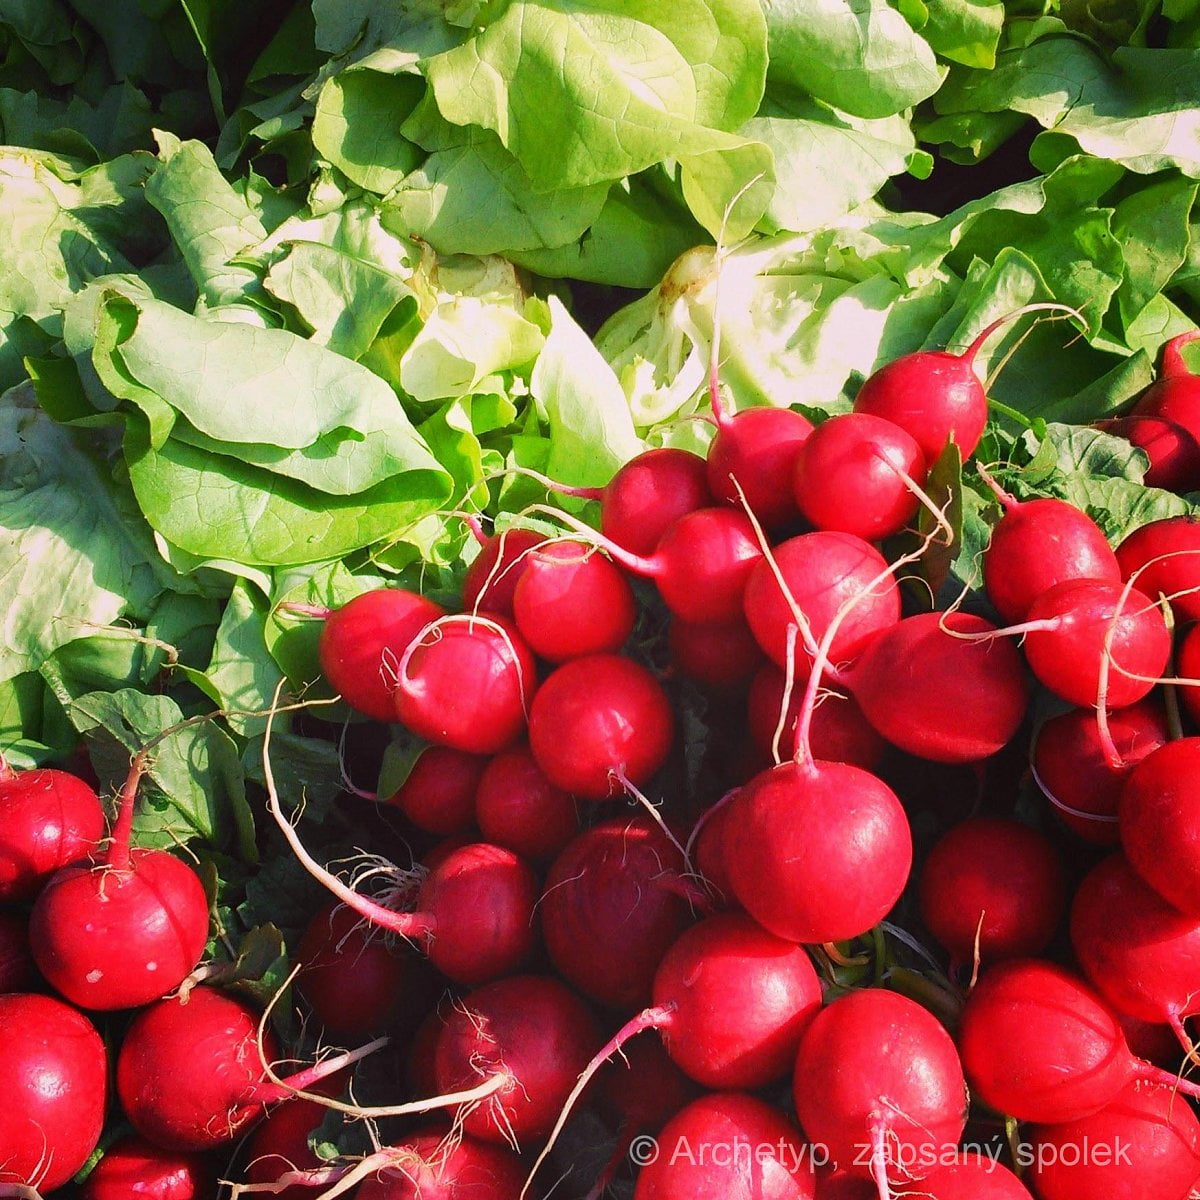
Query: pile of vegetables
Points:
[579, 572]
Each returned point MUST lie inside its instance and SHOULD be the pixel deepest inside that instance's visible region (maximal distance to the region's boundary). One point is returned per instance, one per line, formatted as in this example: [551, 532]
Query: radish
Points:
[840, 732]
[433, 1165]
[1189, 668]
[491, 579]
[279, 1145]
[1159, 816]
[361, 642]
[133, 1167]
[1038, 1044]
[649, 494]
[994, 888]
[822, 572]
[17, 972]
[47, 820]
[615, 900]
[935, 395]
[517, 807]
[877, 1070]
[752, 460]
[817, 851]
[731, 1002]
[125, 928]
[970, 1176]
[1141, 955]
[718, 655]
[1081, 763]
[1083, 625]
[1163, 558]
[439, 794]
[1018, 565]
[728, 1146]
[474, 913]
[54, 1079]
[355, 984]
[707, 848]
[1153, 1041]
[859, 474]
[1145, 1144]
[525, 1038]
[644, 1088]
[599, 721]
[937, 687]
[571, 601]
[1173, 451]
[190, 1075]
[837, 1185]
[466, 682]
[1175, 395]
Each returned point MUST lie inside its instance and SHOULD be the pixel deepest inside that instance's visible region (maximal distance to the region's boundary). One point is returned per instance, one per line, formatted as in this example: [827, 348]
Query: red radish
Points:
[362, 641]
[731, 1002]
[517, 807]
[728, 1146]
[817, 851]
[439, 794]
[649, 494]
[54, 1079]
[1038, 1044]
[936, 395]
[190, 1075]
[837, 1185]
[644, 1088]
[355, 984]
[822, 572]
[1159, 817]
[1173, 451]
[615, 900]
[1188, 666]
[1154, 1042]
[756, 449]
[719, 655]
[124, 929]
[47, 820]
[1163, 558]
[1081, 764]
[1142, 955]
[571, 601]
[708, 852]
[600, 720]
[134, 1167]
[279, 1145]
[1037, 545]
[493, 575]
[1076, 626]
[876, 1070]
[1145, 1144]
[1175, 395]
[421, 1073]
[992, 885]
[858, 474]
[466, 682]
[435, 1166]
[527, 1037]
[840, 732]
[17, 972]
[970, 1176]
[937, 687]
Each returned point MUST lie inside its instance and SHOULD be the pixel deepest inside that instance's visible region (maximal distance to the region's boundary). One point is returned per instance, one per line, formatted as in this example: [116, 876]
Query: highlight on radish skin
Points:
[133, 1167]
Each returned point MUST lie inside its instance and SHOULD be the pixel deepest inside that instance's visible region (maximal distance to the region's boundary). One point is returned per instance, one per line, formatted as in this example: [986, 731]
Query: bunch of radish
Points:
[830, 936]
